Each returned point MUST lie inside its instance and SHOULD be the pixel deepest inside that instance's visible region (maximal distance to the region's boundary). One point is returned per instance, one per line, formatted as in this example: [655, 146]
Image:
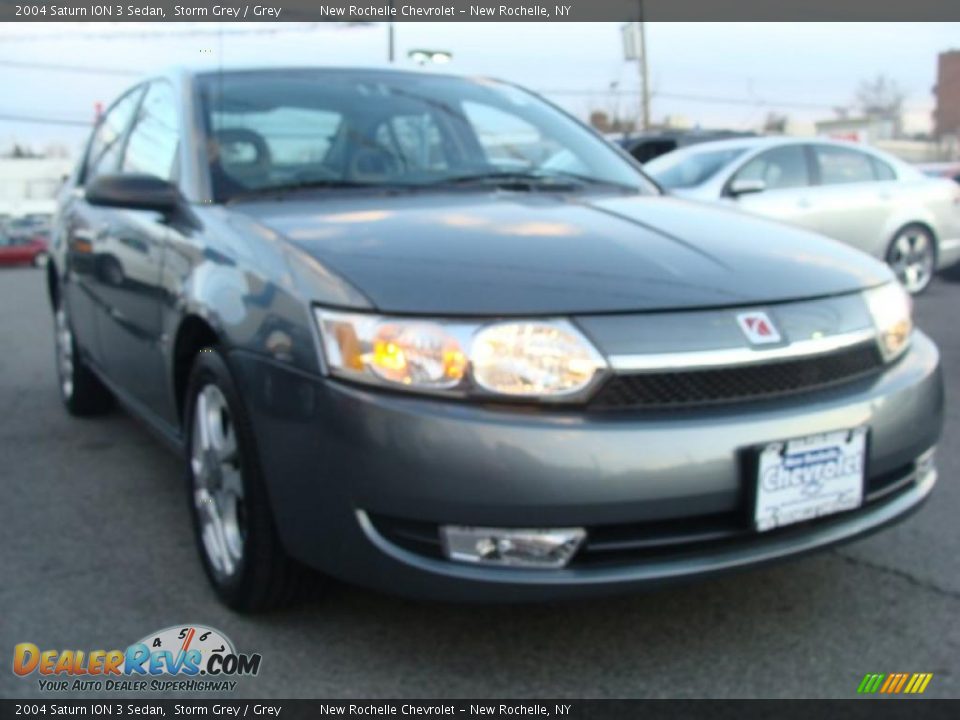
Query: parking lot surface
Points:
[96, 553]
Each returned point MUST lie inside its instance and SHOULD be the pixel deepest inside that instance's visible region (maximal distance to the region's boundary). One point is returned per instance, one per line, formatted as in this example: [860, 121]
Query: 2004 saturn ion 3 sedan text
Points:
[432, 335]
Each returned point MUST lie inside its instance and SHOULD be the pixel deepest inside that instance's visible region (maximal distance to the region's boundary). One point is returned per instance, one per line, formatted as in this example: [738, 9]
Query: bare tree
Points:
[882, 98]
[600, 121]
[776, 123]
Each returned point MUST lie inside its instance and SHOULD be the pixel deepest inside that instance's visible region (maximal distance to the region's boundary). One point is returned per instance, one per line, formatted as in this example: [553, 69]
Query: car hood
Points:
[500, 253]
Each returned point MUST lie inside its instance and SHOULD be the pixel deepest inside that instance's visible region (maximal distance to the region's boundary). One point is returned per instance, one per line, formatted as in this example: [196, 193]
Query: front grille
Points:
[693, 388]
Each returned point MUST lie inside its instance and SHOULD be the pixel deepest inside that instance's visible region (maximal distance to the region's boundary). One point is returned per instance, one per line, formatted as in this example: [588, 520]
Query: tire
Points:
[912, 255]
[81, 391]
[233, 523]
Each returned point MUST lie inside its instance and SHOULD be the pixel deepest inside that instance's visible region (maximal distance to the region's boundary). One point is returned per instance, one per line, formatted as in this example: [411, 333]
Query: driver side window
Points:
[103, 155]
[779, 168]
[152, 146]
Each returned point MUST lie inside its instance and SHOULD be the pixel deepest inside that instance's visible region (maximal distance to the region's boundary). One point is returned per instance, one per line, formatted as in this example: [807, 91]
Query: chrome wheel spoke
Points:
[912, 260]
[214, 535]
[233, 482]
[64, 352]
[920, 246]
[202, 424]
[218, 482]
[229, 504]
[226, 447]
[903, 248]
[911, 274]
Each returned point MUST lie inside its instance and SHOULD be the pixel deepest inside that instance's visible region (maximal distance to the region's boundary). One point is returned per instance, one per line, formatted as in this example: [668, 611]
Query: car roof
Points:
[746, 143]
[768, 141]
[182, 73]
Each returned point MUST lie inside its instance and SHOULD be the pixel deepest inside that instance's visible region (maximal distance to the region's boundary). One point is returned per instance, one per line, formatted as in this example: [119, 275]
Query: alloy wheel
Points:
[64, 352]
[217, 482]
[912, 257]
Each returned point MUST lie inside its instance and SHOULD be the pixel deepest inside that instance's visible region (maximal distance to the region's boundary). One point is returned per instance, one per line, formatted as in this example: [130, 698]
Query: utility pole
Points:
[644, 74]
[390, 51]
[635, 48]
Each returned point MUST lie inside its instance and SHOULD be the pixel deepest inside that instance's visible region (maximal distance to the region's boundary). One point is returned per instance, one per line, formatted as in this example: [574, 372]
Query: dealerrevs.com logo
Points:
[177, 658]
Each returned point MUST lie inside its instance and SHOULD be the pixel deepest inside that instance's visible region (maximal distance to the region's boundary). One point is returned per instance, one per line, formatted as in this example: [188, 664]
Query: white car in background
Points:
[852, 193]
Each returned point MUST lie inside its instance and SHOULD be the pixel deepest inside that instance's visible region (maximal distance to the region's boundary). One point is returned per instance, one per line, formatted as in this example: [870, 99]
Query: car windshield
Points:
[689, 168]
[275, 130]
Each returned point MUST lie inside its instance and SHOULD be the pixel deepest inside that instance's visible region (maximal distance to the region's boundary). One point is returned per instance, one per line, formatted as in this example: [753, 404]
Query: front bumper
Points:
[948, 252]
[356, 475]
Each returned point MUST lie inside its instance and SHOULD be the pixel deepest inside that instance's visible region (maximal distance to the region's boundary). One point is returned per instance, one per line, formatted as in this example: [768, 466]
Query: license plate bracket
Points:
[809, 477]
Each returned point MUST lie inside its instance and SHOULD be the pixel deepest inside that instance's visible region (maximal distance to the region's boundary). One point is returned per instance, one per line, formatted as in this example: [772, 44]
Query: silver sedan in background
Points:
[851, 193]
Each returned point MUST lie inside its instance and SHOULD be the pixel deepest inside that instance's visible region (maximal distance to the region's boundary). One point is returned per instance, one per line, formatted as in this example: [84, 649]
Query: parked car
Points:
[30, 225]
[646, 146]
[852, 193]
[384, 356]
[22, 249]
[949, 170]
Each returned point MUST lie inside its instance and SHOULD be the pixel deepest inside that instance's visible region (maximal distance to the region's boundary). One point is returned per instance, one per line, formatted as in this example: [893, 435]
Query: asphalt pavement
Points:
[95, 553]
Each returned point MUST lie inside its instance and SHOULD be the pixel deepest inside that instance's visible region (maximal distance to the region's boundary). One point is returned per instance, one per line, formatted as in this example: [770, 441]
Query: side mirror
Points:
[135, 192]
[746, 187]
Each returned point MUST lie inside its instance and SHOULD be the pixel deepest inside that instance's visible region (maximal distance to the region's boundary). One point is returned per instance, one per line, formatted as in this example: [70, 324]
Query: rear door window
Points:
[840, 166]
[882, 170]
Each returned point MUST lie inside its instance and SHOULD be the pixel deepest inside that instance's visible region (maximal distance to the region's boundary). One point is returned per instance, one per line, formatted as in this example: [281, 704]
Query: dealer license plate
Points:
[809, 477]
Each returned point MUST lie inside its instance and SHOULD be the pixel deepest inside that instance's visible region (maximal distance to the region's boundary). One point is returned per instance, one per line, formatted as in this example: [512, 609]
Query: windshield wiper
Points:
[506, 177]
[285, 188]
[554, 180]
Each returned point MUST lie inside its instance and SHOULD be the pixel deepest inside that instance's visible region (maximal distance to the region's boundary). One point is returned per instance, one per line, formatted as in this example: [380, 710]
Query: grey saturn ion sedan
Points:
[852, 193]
[432, 335]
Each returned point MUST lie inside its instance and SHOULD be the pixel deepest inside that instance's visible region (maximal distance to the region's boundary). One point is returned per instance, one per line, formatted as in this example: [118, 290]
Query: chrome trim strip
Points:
[734, 357]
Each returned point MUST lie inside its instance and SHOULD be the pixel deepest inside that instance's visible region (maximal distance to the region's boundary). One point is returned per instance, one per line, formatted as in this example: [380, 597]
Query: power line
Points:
[84, 69]
[708, 99]
[753, 102]
[44, 120]
[162, 34]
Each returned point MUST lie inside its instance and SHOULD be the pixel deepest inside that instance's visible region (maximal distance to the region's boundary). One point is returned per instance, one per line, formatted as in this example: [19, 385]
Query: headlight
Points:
[891, 308]
[529, 359]
[539, 359]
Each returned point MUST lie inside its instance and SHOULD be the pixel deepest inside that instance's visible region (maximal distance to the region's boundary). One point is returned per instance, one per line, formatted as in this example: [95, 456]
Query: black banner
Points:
[472, 10]
[864, 709]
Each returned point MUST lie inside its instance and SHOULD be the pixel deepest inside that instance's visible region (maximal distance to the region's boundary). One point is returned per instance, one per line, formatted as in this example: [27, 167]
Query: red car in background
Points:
[22, 249]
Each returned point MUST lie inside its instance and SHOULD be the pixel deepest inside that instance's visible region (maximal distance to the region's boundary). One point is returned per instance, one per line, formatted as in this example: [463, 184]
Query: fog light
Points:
[546, 548]
[925, 463]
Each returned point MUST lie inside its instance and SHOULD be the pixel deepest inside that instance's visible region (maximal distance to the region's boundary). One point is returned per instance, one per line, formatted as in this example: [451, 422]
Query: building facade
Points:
[946, 116]
[29, 185]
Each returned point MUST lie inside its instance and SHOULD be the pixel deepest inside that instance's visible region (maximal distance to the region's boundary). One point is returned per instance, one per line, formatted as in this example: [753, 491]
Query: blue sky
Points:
[713, 74]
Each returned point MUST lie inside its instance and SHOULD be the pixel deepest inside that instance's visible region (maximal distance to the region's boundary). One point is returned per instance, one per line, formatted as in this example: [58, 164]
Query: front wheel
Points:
[912, 255]
[233, 522]
[81, 391]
